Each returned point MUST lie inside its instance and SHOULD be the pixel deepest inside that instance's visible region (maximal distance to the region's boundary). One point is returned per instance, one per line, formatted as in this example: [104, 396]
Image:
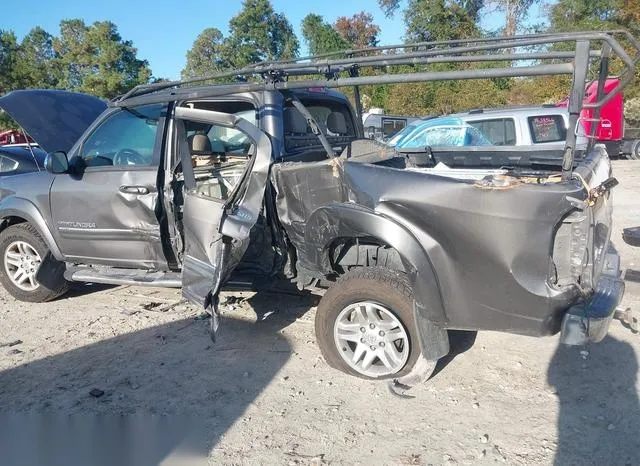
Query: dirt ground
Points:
[263, 395]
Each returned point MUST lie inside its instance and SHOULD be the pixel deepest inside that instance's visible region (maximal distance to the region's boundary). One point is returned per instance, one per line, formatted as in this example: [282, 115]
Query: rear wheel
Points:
[635, 151]
[22, 249]
[365, 324]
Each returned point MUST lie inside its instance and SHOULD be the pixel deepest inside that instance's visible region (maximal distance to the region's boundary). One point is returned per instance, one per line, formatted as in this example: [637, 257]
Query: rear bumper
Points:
[589, 321]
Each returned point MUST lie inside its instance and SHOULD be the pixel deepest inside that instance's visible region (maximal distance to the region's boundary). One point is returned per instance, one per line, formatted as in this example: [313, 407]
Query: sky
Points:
[164, 30]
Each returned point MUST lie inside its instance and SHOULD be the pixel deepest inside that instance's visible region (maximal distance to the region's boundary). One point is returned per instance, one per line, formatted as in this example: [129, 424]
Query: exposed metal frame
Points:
[586, 48]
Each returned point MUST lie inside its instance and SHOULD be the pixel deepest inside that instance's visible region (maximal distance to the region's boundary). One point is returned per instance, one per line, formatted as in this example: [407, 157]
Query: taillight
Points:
[570, 249]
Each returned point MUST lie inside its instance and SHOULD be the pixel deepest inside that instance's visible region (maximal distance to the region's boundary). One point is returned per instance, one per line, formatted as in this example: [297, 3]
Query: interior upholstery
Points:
[294, 122]
[199, 144]
[337, 123]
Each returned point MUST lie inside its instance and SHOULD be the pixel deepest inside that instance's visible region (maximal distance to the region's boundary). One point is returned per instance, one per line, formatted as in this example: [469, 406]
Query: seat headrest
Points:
[199, 144]
[294, 122]
[337, 123]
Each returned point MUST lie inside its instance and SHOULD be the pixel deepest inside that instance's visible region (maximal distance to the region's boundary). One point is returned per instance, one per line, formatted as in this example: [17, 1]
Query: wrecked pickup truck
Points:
[204, 186]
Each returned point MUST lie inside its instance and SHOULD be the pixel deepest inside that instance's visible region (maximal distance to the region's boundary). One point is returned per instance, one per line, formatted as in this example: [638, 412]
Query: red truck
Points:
[611, 129]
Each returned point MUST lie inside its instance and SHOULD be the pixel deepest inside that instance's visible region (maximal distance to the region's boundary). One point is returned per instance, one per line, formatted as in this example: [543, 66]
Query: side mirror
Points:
[57, 163]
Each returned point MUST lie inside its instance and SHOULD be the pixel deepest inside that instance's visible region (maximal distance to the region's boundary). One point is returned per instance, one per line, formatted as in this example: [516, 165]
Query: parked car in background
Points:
[381, 127]
[21, 158]
[440, 132]
[544, 126]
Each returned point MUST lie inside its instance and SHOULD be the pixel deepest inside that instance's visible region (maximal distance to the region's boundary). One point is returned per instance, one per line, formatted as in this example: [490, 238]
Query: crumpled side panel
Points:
[302, 187]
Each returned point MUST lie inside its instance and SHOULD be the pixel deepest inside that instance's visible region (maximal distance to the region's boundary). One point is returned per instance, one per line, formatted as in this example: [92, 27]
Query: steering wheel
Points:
[129, 157]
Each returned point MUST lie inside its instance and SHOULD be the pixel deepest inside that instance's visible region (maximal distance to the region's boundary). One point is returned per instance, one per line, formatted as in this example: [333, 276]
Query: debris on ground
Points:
[10, 343]
[96, 393]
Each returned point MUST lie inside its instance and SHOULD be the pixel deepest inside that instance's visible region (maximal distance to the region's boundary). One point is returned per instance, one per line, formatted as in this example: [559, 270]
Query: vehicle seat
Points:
[337, 124]
[201, 151]
[294, 123]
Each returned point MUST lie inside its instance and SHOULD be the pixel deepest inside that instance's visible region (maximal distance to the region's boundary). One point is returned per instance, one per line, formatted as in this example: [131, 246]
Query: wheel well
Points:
[348, 253]
[6, 222]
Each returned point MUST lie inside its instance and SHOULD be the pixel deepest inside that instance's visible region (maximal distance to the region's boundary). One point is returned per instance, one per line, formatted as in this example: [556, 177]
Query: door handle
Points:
[134, 189]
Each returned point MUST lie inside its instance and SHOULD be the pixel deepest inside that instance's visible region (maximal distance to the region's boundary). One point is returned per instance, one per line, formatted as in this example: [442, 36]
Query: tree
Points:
[8, 59]
[437, 20]
[207, 54]
[258, 33]
[359, 30]
[321, 37]
[37, 64]
[96, 60]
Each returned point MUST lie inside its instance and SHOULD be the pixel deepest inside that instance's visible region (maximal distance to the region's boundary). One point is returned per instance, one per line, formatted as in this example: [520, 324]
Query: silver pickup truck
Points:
[271, 180]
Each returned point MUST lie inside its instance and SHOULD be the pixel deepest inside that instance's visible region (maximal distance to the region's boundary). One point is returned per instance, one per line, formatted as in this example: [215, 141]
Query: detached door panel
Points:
[222, 197]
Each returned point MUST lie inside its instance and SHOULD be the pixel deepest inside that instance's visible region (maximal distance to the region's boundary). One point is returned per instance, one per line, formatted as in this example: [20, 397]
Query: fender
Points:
[351, 221]
[19, 207]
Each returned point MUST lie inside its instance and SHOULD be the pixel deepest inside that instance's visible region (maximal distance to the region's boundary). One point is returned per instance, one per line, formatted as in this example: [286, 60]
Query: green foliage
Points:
[36, 64]
[94, 59]
[321, 37]
[257, 33]
[8, 58]
[632, 111]
[207, 55]
[438, 20]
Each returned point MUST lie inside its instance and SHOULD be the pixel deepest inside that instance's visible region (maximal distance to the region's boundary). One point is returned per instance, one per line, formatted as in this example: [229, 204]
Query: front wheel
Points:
[22, 249]
[365, 324]
[635, 151]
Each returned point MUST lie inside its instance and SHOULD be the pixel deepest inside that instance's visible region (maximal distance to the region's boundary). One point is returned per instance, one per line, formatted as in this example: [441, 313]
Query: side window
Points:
[124, 139]
[7, 165]
[547, 128]
[499, 131]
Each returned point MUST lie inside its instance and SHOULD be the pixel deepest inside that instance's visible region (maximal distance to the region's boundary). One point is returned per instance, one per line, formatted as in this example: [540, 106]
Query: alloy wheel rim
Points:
[371, 339]
[21, 262]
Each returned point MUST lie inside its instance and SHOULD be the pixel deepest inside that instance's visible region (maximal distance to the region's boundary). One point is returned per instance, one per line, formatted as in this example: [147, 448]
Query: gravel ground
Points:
[263, 395]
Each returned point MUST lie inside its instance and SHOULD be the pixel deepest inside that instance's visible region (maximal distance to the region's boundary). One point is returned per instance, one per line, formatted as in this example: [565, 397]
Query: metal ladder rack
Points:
[571, 53]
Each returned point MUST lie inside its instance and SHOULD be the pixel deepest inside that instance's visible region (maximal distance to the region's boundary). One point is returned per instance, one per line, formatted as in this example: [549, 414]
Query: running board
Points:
[118, 276]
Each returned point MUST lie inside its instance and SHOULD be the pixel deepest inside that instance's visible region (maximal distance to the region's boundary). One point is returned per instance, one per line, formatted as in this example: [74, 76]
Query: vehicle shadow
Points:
[599, 418]
[81, 289]
[172, 372]
[460, 341]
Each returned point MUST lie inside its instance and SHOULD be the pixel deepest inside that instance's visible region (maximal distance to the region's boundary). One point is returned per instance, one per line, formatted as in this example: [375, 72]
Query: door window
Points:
[499, 131]
[124, 139]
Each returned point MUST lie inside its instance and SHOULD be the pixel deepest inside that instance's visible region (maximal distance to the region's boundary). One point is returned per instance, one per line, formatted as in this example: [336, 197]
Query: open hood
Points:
[54, 119]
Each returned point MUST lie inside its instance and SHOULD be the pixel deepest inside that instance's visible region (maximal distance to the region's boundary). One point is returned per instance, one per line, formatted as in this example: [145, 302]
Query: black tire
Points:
[25, 232]
[386, 287]
[635, 151]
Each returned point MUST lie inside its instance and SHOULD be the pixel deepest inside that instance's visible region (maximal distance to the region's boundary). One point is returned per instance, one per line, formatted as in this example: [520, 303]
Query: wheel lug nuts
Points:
[381, 333]
[361, 340]
[362, 329]
[372, 325]
[373, 348]
[381, 344]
